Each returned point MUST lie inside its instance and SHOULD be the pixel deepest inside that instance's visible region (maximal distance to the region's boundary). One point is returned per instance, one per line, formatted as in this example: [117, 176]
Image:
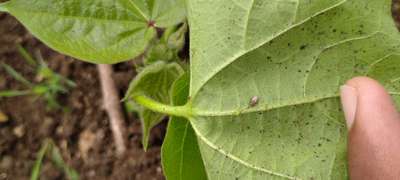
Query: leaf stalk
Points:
[180, 111]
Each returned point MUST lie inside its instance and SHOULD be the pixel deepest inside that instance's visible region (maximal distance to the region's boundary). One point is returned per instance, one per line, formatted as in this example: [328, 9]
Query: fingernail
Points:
[348, 96]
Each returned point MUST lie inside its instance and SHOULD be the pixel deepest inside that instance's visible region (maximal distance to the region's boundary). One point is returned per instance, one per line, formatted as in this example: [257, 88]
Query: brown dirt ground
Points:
[85, 121]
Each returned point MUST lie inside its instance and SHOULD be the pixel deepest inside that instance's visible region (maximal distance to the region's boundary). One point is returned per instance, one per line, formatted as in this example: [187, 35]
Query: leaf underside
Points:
[98, 31]
[292, 55]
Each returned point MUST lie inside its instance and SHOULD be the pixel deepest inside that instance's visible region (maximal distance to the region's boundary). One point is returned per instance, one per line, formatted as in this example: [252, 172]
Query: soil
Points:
[81, 129]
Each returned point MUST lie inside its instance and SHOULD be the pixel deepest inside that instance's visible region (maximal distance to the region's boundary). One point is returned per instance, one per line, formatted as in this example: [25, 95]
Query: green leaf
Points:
[265, 77]
[28, 58]
[180, 153]
[155, 82]
[13, 93]
[49, 147]
[98, 31]
[268, 107]
[290, 56]
[39, 160]
[16, 75]
[59, 162]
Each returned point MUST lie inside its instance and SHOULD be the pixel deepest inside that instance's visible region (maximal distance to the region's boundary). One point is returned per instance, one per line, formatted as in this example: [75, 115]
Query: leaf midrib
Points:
[247, 164]
[240, 161]
[200, 112]
[236, 113]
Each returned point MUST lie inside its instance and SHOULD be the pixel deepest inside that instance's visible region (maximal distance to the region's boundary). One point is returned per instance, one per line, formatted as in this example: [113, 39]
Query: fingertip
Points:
[365, 85]
[373, 98]
[374, 135]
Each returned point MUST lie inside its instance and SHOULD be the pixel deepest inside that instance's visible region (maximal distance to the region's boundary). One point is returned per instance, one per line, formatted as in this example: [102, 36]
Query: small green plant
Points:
[50, 149]
[258, 98]
[50, 83]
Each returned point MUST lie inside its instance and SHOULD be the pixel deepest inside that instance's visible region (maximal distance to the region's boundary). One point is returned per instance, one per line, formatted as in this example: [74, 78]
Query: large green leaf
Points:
[155, 82]
[99, 31]
[291, 56]
[180, 154]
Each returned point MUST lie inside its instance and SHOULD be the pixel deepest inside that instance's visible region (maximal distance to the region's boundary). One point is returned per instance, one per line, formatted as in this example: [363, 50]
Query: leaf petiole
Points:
[180, 111]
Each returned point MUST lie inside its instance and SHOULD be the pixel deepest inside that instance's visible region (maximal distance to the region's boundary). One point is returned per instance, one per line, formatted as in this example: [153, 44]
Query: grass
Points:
[51, 150]
[51, 84]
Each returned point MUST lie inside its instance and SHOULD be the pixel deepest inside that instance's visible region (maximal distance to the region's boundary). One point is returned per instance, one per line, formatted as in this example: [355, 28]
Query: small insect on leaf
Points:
[254, 101]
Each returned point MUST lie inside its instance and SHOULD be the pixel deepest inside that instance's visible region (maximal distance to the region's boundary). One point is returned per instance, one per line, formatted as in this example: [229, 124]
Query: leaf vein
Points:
[240, 161]
[243, 52]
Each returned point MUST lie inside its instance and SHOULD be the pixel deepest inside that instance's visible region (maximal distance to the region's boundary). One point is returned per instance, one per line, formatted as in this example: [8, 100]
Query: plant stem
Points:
[181, 111]
[112, 105]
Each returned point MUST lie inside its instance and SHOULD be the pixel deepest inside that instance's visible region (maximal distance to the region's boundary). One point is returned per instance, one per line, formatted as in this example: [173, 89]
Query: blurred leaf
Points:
[159, 52]
[119, 32]
[180, 155]
[154, 81]
[176, 40]
[16, 75]
[167, 48]
[13, 93]
[40, 89]
[26, 55]
[50, 147]
[69, 82]
[45, 72]
[35, 174]
[59, 162]
[52, 84]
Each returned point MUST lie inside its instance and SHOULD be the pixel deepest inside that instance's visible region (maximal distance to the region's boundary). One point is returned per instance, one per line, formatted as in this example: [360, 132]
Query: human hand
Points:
[374, 130]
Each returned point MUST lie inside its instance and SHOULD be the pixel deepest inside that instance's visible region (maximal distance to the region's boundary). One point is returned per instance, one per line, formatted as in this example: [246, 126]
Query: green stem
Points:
[181, 111]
